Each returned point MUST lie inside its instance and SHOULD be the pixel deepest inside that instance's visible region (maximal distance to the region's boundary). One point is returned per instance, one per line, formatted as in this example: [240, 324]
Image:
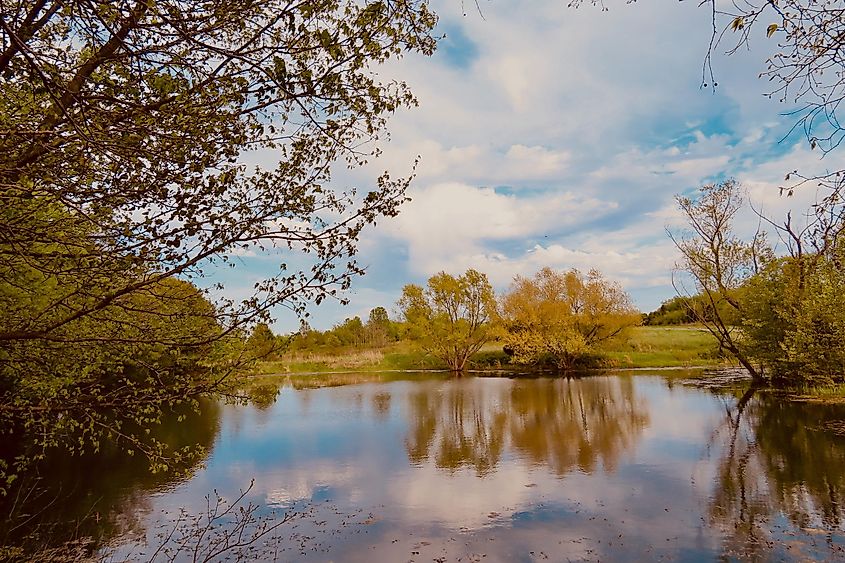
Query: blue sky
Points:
[558, 137]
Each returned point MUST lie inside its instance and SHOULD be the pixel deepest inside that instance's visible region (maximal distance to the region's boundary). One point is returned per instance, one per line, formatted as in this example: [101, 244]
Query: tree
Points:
[262, 342]
[807, 66]
[793, 320]
[781, 318]
[111, 378]
[719, 263]
[563, 315]
[452, 317]
[124, 128]
[378, 327]
[131, 117]
[350, 332]
[671, 312]
[817, 344]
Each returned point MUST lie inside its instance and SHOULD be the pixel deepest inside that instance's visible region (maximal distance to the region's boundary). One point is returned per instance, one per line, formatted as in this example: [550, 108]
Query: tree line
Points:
[553, 318]
[779, 316]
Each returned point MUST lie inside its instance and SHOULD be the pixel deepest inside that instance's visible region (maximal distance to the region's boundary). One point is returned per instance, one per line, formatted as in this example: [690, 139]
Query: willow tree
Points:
[564, 315]
[125, 129]
[452, 317]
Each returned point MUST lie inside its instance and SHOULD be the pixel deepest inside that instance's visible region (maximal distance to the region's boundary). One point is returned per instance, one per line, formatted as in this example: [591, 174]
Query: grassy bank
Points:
[671, 346]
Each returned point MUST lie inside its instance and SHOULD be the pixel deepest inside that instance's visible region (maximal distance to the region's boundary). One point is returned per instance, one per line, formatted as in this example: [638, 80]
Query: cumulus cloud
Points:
[507, 164]
[556, 137]
[446, 224]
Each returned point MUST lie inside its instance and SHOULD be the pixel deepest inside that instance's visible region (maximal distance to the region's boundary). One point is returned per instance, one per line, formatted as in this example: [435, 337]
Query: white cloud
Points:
[508, 164]
[593, 120]
[535, 161]
[446, 224]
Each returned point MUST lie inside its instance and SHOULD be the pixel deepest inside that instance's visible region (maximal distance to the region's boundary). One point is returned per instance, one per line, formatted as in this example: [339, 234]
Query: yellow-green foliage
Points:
[563, 344]
[561, 316]
[818, 342]
[75, 380]
[645, 347]
[452, 318]
[719, 262]
[794, 319]
[262, 343]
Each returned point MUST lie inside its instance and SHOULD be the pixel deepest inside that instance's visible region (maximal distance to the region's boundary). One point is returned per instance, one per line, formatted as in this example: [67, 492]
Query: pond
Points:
[425, 467]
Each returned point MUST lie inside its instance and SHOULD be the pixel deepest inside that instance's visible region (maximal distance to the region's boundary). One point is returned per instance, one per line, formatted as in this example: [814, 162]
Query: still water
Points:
[424, 467]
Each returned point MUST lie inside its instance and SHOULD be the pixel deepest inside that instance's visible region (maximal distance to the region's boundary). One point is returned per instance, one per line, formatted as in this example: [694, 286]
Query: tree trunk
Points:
[456, 365]
[757, 375]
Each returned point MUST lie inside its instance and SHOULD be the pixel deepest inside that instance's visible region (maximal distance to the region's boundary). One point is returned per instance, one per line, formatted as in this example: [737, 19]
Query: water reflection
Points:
[381, 405]
[781, 469]
[460, 425]
[99, 496]
[562, 424]
[389, 467]
[568, 426]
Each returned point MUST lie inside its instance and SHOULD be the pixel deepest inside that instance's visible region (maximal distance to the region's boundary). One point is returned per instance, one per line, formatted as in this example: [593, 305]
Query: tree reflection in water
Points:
[780, 462]
[563, 424]
[779, 470]
[96, 497]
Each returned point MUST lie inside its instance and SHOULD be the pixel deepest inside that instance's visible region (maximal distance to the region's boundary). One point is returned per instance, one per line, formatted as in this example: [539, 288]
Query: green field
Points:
[647, 346]
[665, 346]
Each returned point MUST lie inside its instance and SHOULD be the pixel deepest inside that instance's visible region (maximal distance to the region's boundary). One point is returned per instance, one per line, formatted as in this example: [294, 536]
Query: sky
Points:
[553, 136]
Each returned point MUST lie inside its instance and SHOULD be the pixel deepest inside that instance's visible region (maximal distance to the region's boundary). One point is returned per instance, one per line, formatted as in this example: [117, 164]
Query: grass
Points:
[396, 356]
[318, 362]
[829, 393]
[646, 347]
[664, 346]
[671, 346]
